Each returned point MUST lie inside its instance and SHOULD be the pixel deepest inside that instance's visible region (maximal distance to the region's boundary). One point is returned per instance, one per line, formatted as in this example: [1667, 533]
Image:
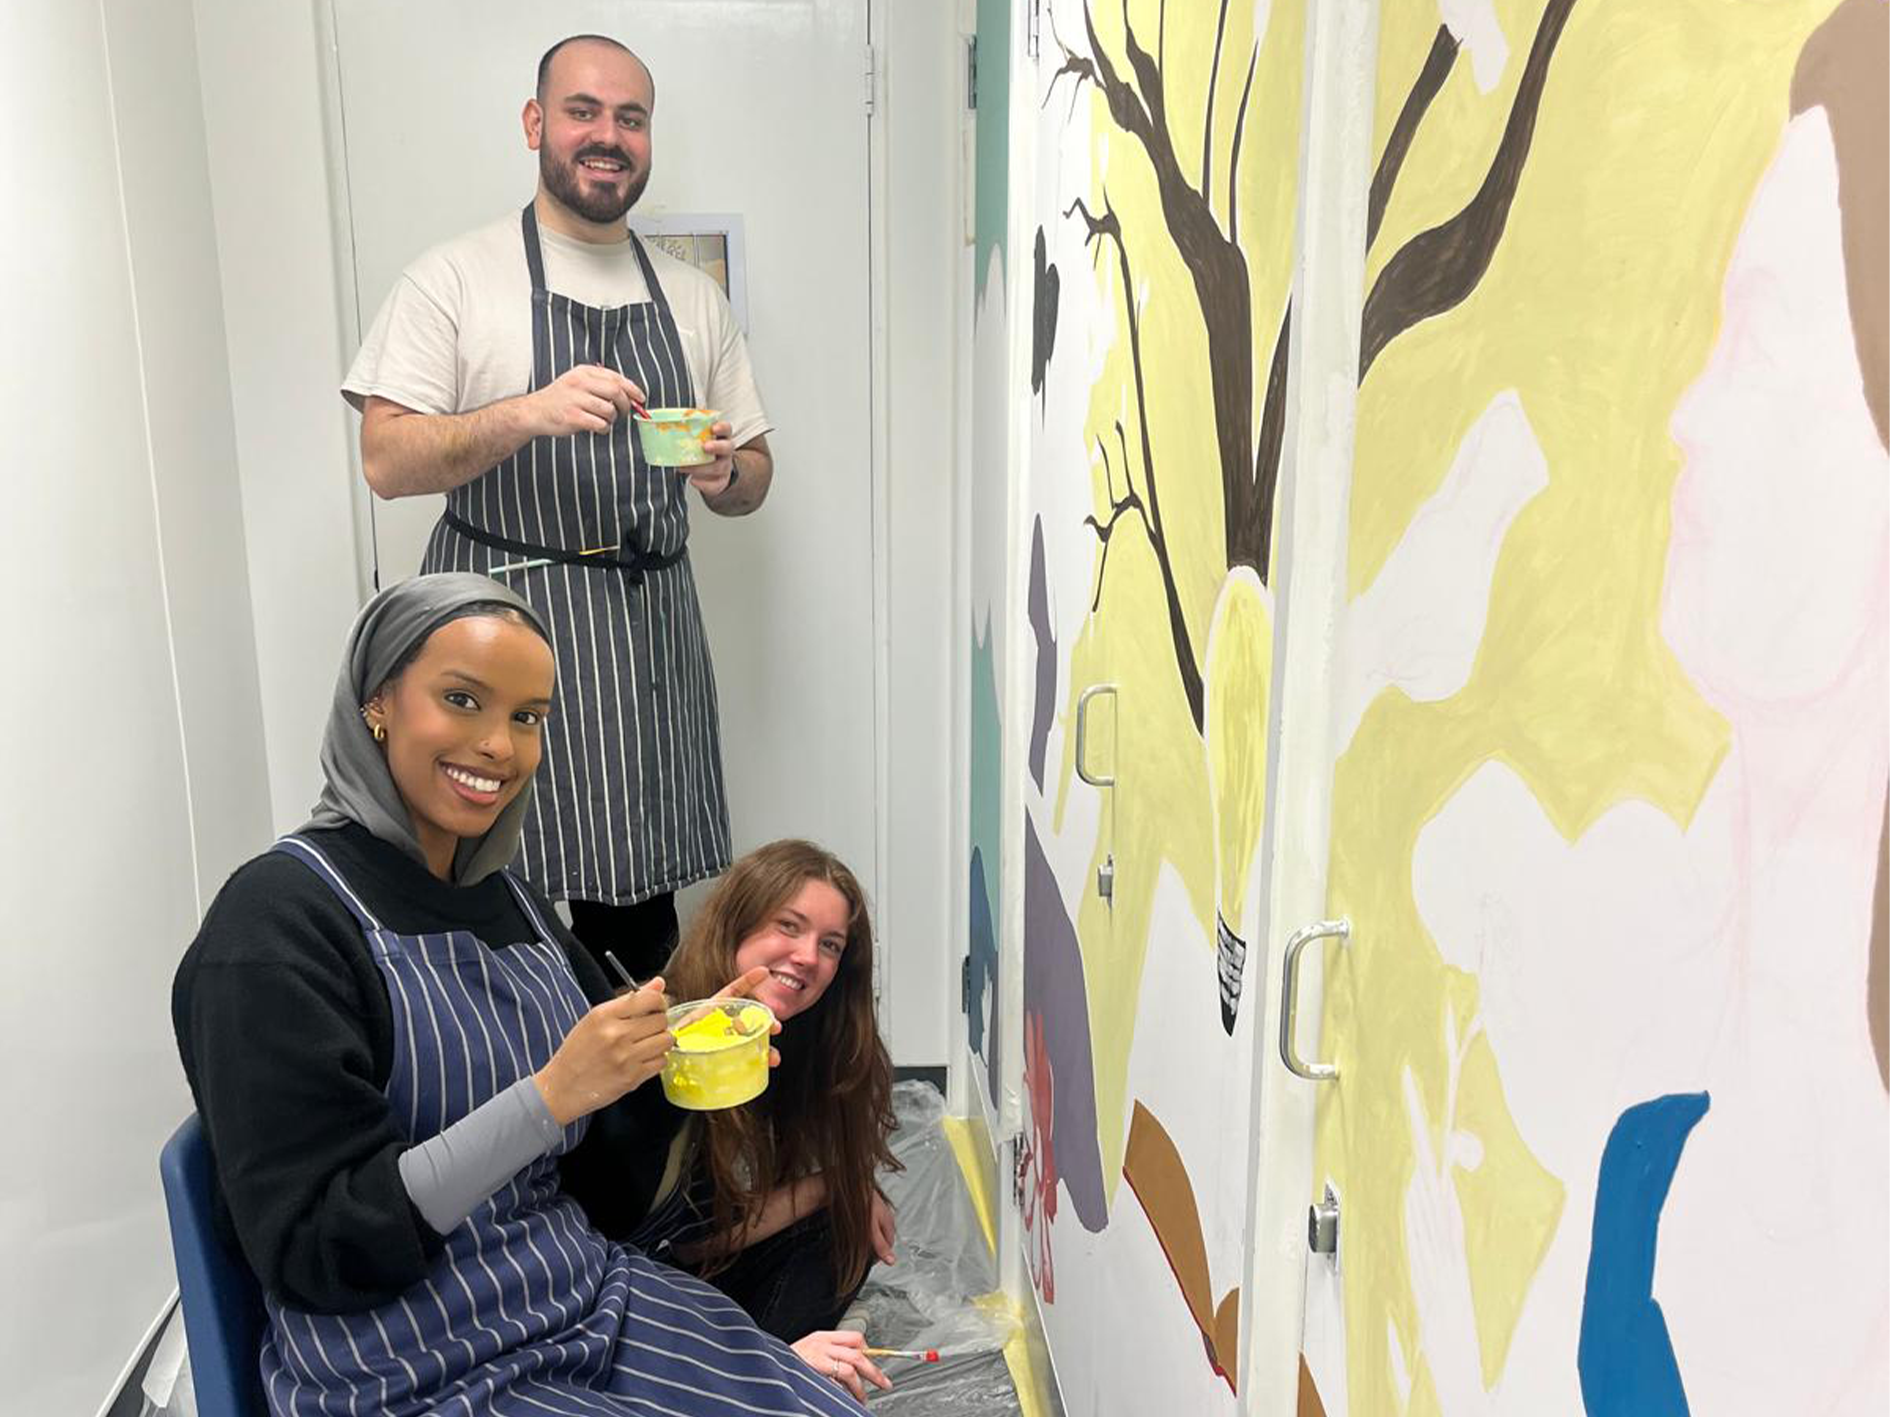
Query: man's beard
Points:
[564, 180]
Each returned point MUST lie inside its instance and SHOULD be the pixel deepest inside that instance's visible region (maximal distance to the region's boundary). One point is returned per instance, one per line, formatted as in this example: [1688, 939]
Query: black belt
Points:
[633, 565]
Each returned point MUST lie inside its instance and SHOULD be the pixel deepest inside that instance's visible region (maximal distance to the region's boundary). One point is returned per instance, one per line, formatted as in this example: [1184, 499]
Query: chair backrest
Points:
[223, 1304]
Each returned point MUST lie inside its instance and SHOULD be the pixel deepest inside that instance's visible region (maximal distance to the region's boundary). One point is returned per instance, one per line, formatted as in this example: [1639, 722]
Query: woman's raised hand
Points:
[615, 1048]
[840, 1354]
[740, 988]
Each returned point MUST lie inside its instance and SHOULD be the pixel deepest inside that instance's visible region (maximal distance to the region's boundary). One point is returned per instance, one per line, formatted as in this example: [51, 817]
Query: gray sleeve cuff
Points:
[449, 1175]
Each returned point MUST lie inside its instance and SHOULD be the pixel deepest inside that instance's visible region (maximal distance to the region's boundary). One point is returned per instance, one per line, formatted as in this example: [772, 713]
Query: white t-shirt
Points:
[455, 333]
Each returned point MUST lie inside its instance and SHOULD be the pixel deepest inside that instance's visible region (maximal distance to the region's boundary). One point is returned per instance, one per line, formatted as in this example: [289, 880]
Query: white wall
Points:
[922, 75]
[285, 296]
[135, 770]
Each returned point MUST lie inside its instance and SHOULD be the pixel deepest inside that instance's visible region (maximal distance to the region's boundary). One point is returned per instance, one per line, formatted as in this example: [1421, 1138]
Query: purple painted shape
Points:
[1046, 678]
[1054, 988]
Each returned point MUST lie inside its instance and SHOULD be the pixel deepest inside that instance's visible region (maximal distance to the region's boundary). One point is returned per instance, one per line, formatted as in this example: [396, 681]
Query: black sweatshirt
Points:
[286, 1035]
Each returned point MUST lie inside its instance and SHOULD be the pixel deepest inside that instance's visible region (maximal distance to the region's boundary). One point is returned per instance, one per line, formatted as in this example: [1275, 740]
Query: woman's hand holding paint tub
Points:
[615, 1048]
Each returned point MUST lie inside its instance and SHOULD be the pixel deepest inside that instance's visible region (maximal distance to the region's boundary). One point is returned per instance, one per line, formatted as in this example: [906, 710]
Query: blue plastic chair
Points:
[223, 1304]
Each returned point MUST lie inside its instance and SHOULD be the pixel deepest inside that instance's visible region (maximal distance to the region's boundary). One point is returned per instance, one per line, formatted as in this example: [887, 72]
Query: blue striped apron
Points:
[528, 1310]
[630, 801]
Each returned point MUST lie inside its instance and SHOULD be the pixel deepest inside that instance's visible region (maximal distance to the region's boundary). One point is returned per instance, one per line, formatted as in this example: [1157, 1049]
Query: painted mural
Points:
[1165, 170]
[989, 520]
[1611, 1129]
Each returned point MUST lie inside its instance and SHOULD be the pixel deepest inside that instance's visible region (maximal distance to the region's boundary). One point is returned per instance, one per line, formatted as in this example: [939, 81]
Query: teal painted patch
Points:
[994, 139]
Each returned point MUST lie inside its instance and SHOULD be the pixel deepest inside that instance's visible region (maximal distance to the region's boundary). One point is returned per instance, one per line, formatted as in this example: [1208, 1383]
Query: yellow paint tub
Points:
[720, 1056]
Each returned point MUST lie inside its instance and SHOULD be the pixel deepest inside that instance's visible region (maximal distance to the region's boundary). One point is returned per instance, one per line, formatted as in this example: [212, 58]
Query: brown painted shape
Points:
[1437, 269]
[1309, 1403]
[1155, 1172]
[1842, 69]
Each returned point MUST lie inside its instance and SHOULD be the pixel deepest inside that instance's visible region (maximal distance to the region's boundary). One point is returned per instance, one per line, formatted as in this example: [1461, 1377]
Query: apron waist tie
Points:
[633, 565]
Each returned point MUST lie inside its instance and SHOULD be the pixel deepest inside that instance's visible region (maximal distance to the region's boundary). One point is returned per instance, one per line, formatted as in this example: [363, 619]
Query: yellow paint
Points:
[1599, 308]
[970, 1144]
[1163, 810]
[977, 1185]
[720, 1058]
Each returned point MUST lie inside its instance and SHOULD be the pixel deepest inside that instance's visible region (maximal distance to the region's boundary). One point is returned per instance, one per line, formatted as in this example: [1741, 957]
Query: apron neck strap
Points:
[650, 281]
[534, 253]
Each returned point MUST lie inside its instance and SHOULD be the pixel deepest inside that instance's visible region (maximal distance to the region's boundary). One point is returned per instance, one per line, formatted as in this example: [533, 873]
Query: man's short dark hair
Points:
[544, 64]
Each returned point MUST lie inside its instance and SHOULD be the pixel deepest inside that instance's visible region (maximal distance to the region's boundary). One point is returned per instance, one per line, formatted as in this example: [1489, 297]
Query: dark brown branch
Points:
[1076, 66]
[1108, 226]
[1207, 122]
[1233, 157]
[1148, 74]
[1215, 265]
[1436, 269]
[1117, 506]
[1266, 463]
[1416, 103]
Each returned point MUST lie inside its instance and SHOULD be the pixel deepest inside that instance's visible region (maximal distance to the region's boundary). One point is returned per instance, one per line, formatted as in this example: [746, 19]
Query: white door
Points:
[1185, 461]
[760, 113]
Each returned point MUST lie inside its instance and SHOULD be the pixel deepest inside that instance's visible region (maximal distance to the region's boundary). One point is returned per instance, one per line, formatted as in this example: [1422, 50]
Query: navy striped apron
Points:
[528, 1310]
[629, 801]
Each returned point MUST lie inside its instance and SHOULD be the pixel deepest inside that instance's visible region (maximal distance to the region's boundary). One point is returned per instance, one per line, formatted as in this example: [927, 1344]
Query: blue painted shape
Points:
[1625, 1357]
[983, 976]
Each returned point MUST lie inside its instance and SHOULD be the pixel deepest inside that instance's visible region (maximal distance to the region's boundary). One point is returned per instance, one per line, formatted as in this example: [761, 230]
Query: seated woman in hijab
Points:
[775, 1202]
[406, 1069]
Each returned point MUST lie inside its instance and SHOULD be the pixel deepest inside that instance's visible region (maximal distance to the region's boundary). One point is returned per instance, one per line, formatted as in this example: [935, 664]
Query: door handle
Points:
[1289, 999]
[1082, 735]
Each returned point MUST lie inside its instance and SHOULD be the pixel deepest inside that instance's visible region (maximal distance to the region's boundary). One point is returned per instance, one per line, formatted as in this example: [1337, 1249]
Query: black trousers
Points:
[641, 935]
[786, 1282]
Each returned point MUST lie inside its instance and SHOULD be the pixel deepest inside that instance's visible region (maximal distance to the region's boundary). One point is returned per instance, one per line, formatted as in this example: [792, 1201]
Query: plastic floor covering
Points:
[940, 1294]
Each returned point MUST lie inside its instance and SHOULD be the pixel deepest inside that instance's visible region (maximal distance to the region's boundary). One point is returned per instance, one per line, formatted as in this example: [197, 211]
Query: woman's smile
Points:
[480, 789]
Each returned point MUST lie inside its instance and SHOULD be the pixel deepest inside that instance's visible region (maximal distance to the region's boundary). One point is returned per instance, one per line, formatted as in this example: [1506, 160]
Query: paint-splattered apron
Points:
[528, 1310]
[629, 802]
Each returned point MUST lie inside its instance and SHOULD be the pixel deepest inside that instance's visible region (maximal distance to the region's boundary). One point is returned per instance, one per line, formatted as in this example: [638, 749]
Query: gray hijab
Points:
[359, 787]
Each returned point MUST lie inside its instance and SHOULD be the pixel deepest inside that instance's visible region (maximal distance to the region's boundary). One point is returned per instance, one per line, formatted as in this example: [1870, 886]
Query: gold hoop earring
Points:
[379, 730]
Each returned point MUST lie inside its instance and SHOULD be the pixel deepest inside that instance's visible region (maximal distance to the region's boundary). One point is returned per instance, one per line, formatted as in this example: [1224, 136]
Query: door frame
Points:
[1310, 594]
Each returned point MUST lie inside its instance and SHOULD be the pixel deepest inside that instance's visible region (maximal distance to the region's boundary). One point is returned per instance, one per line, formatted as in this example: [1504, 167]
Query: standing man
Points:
[503, 370]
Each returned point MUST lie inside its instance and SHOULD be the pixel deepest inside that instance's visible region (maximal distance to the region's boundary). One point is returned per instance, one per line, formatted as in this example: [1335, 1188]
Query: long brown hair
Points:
[828, 1107]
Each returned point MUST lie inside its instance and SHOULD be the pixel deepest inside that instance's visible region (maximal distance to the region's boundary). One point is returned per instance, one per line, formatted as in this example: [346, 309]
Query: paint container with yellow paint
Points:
[674, 437]
[720, 1058]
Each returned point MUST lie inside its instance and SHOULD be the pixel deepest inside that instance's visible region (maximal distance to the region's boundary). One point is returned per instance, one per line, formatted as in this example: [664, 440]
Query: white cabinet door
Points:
[761, 111]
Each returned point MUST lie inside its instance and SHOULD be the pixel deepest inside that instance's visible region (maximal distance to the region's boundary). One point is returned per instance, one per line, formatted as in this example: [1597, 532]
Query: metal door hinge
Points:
[964, 985]
[1106, 880]
[871, 76]
[1033, 28]
[971, 72]
[1322, 1226]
